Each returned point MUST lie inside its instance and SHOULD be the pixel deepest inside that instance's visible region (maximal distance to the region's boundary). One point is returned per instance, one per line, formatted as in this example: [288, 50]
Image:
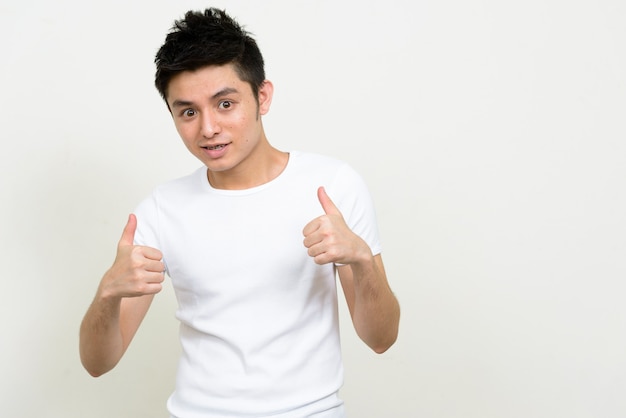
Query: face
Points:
[219, 119]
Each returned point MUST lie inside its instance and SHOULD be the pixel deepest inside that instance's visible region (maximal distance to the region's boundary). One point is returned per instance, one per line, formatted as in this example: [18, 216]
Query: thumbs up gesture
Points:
[329, 239]
[136, 270]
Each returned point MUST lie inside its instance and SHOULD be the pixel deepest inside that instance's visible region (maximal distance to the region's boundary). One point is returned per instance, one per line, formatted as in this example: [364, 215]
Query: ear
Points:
[266, 91]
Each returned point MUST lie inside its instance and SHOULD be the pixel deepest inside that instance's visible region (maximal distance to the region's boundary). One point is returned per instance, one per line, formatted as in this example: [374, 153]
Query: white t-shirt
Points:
[259, 327]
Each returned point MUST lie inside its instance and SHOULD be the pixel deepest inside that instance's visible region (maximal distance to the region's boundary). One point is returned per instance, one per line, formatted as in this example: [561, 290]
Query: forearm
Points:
[375, 309]
[122, 300]
[101, 343]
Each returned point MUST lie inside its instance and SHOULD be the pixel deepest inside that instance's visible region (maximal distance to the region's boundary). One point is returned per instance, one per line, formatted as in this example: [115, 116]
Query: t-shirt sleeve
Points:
[147, 233]
[350, 193]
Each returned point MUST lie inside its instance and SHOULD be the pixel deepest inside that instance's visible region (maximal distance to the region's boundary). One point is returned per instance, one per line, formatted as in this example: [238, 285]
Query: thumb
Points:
[128, 236]
[327, 204]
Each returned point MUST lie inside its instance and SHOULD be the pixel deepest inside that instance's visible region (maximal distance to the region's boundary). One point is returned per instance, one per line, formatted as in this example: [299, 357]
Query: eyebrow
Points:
[224, 92]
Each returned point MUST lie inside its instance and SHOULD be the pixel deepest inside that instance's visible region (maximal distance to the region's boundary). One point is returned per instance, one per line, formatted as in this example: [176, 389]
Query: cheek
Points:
[240, 124]
[185, 130]
[186, 135]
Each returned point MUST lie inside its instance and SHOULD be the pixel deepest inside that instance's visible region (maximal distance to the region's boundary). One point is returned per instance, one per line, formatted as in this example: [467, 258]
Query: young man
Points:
[251, 241]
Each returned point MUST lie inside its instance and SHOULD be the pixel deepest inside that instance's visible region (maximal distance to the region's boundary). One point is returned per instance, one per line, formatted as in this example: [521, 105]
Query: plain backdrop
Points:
[491, 134]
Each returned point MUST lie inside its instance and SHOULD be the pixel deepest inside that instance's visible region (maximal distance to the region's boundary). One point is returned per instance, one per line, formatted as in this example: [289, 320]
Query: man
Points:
[251, 242]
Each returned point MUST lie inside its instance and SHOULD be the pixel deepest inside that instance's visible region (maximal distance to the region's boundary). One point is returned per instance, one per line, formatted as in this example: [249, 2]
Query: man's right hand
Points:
[136, 271]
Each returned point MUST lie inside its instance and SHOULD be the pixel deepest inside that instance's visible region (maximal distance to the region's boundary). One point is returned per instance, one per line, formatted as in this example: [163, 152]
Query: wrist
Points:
[106, 293]
[363, 262]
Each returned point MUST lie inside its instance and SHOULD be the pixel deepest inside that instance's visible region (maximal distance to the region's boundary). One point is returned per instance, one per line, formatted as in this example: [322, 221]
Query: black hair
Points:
[207, 38]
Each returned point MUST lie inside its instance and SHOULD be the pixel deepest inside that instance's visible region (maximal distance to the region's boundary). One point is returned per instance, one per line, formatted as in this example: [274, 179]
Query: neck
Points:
[259, 169]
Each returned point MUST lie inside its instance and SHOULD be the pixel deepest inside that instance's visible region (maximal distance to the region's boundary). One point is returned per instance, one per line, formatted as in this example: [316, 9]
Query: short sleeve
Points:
[351, 195]
[147, 233]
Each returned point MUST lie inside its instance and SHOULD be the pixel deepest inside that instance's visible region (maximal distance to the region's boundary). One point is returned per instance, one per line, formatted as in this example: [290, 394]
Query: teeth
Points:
[216, 147]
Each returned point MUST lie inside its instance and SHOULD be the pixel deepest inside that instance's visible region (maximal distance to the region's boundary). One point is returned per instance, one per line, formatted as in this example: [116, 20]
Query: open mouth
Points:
[216, 147]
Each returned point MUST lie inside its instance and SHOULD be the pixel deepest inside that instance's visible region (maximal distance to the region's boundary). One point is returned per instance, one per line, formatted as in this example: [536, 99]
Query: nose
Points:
[210, 125]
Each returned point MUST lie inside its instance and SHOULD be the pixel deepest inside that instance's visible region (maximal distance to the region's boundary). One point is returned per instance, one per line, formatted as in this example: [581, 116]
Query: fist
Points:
[137, 270]
[329, 239]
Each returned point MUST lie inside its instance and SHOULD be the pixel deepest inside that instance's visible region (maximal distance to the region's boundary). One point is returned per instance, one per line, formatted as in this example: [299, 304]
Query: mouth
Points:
[216, 150]
[216, 147]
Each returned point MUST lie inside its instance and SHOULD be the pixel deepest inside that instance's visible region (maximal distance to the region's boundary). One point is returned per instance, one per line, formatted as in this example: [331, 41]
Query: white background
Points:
[491, 133]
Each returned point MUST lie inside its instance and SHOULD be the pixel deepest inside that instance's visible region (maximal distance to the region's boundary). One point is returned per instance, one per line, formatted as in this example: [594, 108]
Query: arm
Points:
[121, 302]
[373, 307]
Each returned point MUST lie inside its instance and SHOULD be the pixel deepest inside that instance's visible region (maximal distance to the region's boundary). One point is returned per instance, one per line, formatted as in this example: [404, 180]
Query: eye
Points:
[225, 104]
[188, 113]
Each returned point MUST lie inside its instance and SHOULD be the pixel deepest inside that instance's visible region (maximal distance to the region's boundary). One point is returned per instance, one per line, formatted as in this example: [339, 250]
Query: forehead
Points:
[206, 82]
